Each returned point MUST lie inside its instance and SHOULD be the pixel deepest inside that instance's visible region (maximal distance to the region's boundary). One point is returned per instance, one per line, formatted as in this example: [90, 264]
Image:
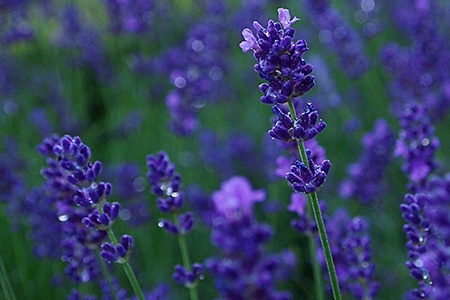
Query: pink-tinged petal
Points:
[284, 16]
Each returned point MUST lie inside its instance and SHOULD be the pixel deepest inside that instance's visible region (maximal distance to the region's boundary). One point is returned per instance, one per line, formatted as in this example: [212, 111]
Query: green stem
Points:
[317, 273]
[106, 275]
[8, 291]
[127, 268]
[185, 257]
[314, 202]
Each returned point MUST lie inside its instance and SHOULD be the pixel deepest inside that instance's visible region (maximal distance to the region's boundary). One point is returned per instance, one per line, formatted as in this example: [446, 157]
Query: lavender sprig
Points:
[87, 215]
[165, 183]
[280, 62]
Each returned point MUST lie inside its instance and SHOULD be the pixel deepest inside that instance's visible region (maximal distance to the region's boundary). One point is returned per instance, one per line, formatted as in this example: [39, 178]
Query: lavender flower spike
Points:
[279, 60]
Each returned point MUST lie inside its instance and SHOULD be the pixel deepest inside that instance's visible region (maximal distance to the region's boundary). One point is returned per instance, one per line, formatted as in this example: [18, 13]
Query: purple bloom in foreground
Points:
[243, 270]
[279, 60]
[239, 196]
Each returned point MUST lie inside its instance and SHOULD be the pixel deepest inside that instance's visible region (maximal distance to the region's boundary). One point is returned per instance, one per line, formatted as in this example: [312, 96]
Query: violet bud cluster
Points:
[186, 277]
[118, 253]
[279, 59]
[307, 178]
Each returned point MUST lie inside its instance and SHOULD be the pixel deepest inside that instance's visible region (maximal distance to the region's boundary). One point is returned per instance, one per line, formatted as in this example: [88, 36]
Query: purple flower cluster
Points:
[198, 70]
[306, 127]
[81, 202]
[15, 26]
[165, 183]
[339, 37]
[427, 215]
[417, 145]
[243, 270]
[133, 16]
[365, 177]
[420, 70]
[307, 178]
[84, 42]
[280, 60]
[350, 244]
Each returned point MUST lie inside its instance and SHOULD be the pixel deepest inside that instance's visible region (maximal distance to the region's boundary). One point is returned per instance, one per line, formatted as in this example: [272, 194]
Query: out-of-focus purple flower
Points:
[417, 144]
[339, 36]
[365, 180]
[132, 16]
[231, 154]
[307, 178]
[243, 270]
[279, 60]
[352, 254]
[15, 26]
[236, 198]
[420, 70]
[197, 71]
[129, 186]
[84, 42]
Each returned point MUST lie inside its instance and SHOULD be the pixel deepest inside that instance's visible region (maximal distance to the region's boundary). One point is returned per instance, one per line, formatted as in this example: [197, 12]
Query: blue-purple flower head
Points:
[279, 59]
[236, 197]
[308, 178]
[306, 127]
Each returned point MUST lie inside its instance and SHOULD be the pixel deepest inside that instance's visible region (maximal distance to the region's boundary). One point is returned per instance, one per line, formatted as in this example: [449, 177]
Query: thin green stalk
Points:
[314, 202]
[186, 261]
[128, 270]
[8, 291]
[317, 273]
[106, 274]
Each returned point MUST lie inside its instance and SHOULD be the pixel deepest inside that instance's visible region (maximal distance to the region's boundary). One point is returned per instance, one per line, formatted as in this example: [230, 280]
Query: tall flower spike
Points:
[279, 60]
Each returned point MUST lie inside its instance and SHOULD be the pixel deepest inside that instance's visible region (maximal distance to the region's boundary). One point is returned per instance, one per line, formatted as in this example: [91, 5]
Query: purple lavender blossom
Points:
[130, 186]
[420, 70]
[417, 145]
[119, 253]
[133, 16]
[84, 41]
[307, 178]
[365, 180]
[198, 71]
[239, 196]
[188, 278]
[165, 182]
[352, 253]
[350, 244]
[243, 270]
[339, 37]
[280, 60]
[15, 26]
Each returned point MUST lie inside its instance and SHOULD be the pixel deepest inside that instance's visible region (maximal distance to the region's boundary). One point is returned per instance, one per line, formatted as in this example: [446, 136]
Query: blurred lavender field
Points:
[171, 128]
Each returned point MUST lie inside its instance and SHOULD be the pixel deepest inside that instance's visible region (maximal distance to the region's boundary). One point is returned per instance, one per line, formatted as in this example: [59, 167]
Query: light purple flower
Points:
[298, 204]
[284, 16]
[250, 42]
[236, 197]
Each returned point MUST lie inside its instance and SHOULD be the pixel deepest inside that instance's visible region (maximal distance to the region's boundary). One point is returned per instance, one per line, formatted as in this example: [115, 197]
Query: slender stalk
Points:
[8, 291]
[128, 270]
[186, 261]
[106, 274]
[317, 272]
[314, 202]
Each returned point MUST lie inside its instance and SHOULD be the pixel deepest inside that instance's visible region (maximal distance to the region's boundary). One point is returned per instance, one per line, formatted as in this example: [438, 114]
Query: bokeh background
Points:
[135, 77]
